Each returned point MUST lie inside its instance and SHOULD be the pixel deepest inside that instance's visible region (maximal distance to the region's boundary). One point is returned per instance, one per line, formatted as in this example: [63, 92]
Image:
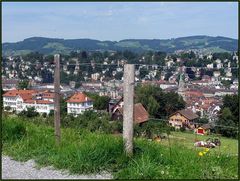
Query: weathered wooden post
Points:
[57, 98]
[128, 90]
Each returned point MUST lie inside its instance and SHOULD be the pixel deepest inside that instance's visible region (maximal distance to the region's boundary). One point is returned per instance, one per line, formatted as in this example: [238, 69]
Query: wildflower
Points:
[200, 154]
[204, 152]
[162, 172]
[206, 149]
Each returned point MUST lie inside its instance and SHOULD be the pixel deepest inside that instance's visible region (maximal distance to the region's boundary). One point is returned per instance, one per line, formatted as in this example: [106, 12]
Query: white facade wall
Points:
[17, 104]
[40, 108]
[10, 101]
[79, 108]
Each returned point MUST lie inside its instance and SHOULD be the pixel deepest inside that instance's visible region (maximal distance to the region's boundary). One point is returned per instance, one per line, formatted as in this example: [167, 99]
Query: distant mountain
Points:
[53, 45]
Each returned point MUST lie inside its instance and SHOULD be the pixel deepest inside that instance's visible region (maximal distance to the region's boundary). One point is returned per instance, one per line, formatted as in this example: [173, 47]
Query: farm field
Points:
[228, 145]
[84, 152]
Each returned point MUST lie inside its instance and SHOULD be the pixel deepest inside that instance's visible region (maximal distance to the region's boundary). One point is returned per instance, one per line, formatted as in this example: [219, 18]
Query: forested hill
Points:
[53, 45]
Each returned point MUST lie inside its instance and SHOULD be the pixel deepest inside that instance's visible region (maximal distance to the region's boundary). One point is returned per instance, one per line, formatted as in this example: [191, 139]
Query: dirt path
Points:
[12, 169]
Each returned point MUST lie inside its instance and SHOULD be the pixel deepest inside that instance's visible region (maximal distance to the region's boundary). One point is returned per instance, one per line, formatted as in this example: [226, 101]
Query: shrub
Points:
[116, 126]
[182, 129]
[51, 113]
[151, 128]
[44, 115]
[30, 112]
[12, 130]
[7, 108]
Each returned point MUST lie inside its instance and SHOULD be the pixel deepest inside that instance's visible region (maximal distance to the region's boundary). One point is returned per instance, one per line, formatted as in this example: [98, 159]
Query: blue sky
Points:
[116, 21]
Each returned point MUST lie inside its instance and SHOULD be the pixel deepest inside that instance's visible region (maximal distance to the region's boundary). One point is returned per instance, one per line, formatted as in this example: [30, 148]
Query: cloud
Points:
[115, 20]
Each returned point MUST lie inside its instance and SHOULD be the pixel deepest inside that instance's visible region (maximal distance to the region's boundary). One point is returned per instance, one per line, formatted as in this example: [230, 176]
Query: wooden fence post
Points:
[128, 90]
[57, 98]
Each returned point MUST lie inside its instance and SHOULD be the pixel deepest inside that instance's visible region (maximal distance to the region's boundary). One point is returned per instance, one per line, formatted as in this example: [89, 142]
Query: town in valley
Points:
[202, 80]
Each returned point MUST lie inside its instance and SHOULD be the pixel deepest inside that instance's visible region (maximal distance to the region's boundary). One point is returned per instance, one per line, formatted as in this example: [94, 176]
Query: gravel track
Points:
[12, 169]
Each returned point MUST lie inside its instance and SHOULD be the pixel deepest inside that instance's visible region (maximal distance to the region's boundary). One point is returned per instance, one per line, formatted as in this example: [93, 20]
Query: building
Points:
[203, 130]
[9, 84]
[19, 100]
[140, 115]
[79, 103]
[183, 118]
[181, 87]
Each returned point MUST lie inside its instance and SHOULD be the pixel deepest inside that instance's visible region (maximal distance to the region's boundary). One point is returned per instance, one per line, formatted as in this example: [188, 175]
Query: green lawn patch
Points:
[86, 152]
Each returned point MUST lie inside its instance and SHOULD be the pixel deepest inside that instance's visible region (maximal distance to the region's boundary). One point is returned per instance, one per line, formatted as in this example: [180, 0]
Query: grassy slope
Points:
[228, 146]
[84, 152]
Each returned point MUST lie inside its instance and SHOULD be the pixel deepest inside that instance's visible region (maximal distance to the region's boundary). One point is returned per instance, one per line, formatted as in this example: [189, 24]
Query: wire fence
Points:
[151, 66]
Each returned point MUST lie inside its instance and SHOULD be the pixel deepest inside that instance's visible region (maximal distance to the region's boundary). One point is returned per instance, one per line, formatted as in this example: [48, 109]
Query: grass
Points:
[81, 152]
[228, 146]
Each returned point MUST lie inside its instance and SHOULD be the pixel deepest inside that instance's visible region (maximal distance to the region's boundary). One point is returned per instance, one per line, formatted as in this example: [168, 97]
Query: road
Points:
[12, 169]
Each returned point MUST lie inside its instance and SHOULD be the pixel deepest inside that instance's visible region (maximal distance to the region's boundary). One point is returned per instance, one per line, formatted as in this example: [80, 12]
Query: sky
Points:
[117, 21]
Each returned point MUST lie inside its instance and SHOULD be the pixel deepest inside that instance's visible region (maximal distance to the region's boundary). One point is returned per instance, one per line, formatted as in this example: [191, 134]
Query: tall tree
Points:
[23, 84]
[228, 116]
[158, 103]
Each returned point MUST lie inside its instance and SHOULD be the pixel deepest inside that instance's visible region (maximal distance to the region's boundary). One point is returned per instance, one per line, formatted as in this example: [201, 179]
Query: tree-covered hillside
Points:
[53, 45]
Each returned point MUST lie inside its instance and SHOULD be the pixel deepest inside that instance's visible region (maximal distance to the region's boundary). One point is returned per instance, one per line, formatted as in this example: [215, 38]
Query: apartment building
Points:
[19, 100]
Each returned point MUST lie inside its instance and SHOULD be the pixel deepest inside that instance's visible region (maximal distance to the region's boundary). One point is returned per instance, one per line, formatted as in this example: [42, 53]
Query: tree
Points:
[203, 120]
[44, 115]
[158, 103]
[143, 72]
[152, 106]
[99, 102]
[151, 128]
[119, 75]
[228, 116]
[30, 112]
[168, 75]
[23, 84]
[102, 103]
[226, 83]
[63, 106]
[51, 113]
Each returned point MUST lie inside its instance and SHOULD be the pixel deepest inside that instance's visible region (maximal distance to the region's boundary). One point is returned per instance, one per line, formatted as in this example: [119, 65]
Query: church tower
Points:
[181, 87]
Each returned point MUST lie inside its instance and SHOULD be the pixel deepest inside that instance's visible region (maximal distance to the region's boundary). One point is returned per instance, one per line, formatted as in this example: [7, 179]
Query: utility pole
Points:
[128, 90]
[57, 98]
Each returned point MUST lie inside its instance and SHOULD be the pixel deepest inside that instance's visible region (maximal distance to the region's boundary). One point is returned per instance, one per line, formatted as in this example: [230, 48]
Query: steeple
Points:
[181, 86]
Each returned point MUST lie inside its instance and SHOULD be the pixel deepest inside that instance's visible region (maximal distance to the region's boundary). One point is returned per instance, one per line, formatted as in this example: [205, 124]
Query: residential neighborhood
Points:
[120, 90]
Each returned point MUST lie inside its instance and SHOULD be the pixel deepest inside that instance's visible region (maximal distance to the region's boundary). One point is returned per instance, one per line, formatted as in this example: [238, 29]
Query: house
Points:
[140, 115]
[203, 130]
[116, 111]
[9, 84]
[183, 118]
[19, 100]
[79, 103]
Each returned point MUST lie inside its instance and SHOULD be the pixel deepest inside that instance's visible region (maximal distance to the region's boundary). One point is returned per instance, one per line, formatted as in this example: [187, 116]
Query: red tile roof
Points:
[79, 98]
[14, 93]
[26, 95]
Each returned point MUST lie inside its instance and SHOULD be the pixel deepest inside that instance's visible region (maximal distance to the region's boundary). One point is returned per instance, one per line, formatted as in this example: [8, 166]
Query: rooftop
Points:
[79, 98]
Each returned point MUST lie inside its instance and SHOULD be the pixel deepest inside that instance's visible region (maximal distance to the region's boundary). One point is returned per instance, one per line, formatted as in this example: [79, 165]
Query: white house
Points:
[19, 100]
[79, 103]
